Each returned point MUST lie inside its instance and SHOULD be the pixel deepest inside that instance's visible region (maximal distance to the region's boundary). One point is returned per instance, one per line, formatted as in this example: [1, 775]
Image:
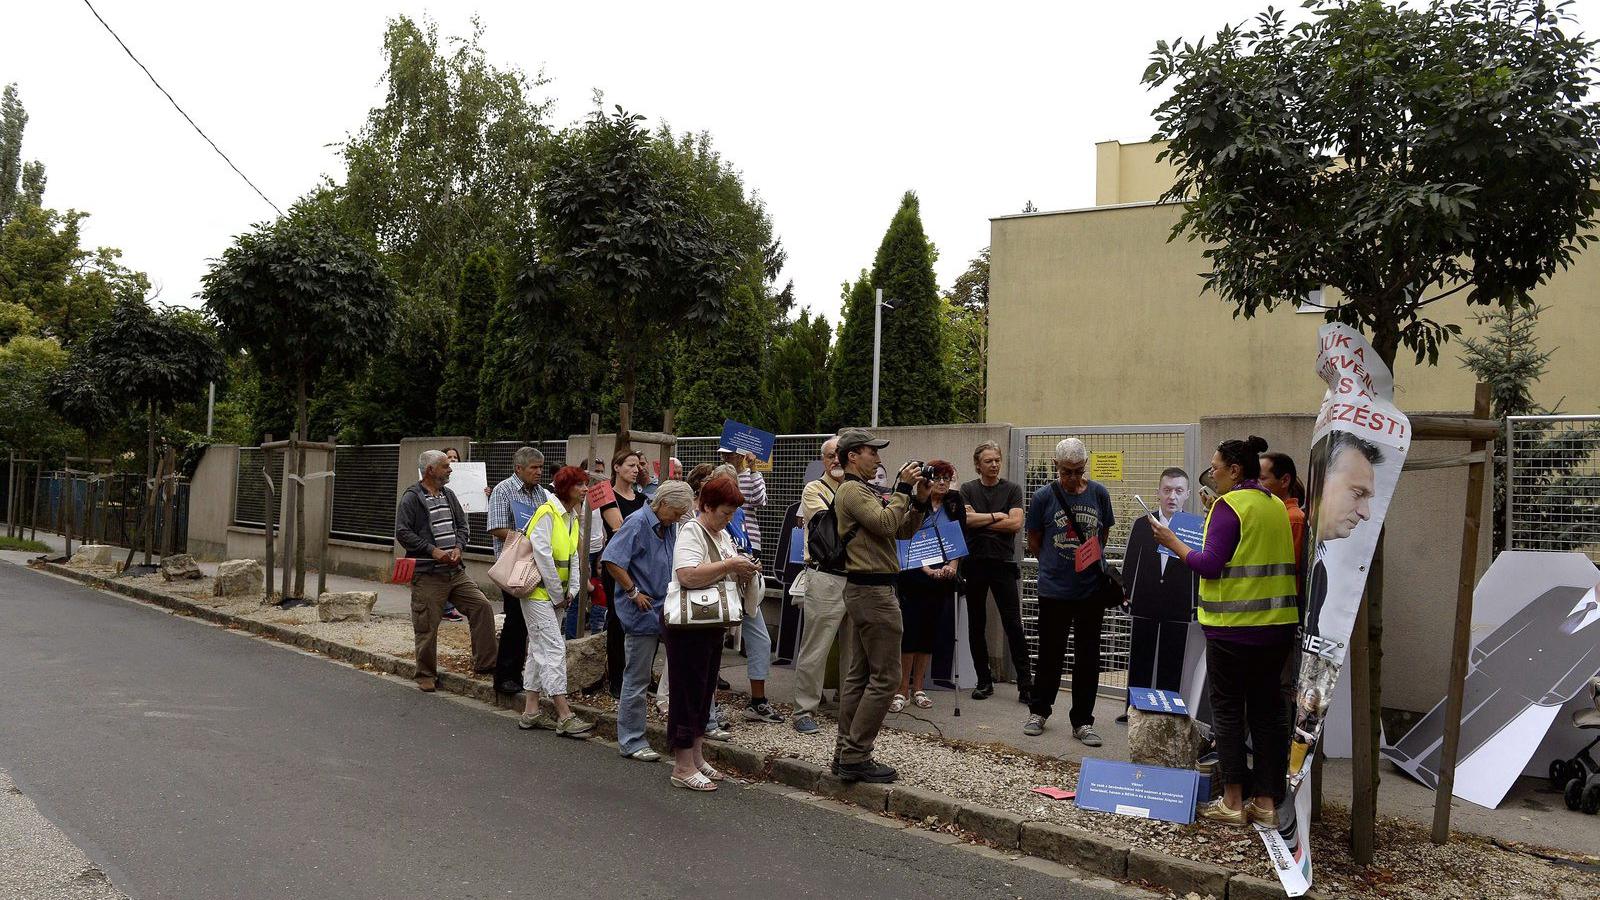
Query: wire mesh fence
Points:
[363, 492]
[1129, 461]
[1553, 484]
[110, 509]
[496, 457]
[250, 488]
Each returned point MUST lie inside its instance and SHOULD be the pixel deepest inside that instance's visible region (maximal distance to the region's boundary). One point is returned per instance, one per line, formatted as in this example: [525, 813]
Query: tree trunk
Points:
[150, 469]
[302, 430]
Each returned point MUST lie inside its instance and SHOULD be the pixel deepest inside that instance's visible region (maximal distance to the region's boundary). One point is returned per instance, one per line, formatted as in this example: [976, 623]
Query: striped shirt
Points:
[441, 520]
[754, 489]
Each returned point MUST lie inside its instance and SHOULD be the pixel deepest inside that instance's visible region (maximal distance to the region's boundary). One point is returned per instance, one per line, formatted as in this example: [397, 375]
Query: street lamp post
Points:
[878, 306]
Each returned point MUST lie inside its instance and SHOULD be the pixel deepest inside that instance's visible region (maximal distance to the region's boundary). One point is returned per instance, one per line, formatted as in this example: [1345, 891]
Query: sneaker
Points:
[530, 721]
[983, 692]
[1217, 811]
[572, 726]
[806, 723]
[1085, 733]
[451, 615]
[1035, 725]
[644, 754]
[762, 711]
[1257, 815]
[719, 734]
[870, 771]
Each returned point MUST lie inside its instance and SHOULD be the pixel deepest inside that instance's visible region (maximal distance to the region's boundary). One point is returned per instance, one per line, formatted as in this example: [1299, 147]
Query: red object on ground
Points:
[1055, 793]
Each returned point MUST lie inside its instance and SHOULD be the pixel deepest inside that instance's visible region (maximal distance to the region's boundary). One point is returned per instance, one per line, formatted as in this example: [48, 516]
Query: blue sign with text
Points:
[934, 544]
[1148, 792]
[1157, 700]
[1190, 528]
[740, 437]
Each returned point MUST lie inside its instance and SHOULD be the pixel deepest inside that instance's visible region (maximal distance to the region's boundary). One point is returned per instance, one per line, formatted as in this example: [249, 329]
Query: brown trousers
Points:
[869, 657]
[429, 591]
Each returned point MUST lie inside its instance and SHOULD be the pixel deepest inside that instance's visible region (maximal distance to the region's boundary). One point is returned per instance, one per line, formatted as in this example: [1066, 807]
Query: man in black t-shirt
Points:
[993, 521]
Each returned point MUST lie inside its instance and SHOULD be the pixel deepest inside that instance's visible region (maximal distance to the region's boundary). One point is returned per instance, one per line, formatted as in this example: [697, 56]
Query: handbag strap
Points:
[1072, 518]
[714, 550]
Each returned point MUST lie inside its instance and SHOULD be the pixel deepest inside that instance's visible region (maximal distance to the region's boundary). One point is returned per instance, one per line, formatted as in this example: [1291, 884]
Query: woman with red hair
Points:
[694, 654]
[928, 594]
[553, 531]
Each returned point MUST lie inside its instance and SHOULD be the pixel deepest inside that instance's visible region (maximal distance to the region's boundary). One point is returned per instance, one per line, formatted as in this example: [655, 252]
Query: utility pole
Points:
[878, 306]
[211, 406]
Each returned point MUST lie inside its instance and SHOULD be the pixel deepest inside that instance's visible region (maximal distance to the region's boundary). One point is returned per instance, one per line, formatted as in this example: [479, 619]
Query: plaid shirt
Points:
[501, 509]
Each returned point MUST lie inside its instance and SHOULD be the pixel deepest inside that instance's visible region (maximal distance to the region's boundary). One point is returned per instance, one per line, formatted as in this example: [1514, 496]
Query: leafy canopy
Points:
[1399, 154]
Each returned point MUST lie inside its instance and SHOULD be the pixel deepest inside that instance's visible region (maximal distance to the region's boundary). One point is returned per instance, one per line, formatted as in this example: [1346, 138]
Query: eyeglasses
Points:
[942, 479]
[1078, 472]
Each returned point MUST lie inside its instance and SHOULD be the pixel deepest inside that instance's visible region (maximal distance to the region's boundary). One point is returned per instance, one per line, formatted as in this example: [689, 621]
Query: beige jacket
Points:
[873, 551]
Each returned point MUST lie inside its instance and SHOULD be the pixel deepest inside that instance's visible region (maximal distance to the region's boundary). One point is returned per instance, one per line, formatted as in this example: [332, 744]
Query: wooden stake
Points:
[169, 503]
[327, 524]
[272, 502]
[1465, 580]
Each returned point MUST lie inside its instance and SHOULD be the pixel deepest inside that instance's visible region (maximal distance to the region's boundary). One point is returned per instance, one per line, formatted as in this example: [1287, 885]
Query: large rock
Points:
[1162, 739]
[239, 578]
[586, 662]
[346, 606]
[180, 567]
[94, 555]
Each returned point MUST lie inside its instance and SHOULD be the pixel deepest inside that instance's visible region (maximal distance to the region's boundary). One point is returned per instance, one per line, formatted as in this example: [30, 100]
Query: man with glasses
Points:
[512, 503]
[1068, 523]
[993, 521]
[869, 651]
[821, 599]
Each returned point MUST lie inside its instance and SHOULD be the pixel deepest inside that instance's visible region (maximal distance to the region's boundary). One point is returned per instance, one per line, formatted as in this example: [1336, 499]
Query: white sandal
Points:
[920, 698]
[696, 782]
[710, 771]
[898, 703]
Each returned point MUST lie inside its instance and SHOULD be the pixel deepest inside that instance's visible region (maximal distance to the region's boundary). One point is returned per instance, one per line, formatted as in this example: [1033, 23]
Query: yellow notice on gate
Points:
[1106, 466]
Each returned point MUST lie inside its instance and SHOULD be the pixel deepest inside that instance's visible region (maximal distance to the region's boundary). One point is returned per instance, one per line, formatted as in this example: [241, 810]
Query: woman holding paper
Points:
[927, 594]
[1249, 611]
[553, 531]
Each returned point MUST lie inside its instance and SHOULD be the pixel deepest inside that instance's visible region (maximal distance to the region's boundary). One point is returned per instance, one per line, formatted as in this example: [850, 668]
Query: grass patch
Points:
[11, 543]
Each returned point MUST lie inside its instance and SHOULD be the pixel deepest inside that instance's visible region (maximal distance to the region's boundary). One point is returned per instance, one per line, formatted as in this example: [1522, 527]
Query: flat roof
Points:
[1081, 209]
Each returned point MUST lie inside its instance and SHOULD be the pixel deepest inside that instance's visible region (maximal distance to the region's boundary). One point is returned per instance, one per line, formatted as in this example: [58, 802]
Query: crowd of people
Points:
[660, 540]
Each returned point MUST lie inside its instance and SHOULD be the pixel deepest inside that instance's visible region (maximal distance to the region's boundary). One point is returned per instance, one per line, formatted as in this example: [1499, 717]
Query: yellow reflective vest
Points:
[1257, 585]
[563, 542]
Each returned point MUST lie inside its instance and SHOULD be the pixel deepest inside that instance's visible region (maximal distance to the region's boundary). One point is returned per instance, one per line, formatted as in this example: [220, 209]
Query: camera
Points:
[924, 471]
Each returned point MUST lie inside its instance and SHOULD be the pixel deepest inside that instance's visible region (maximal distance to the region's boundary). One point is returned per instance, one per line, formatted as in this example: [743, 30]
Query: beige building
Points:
[1096, 319]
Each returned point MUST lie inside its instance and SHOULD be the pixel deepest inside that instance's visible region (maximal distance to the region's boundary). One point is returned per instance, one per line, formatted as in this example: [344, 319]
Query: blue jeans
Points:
[641, 656]
[757, 646]
[597, 620]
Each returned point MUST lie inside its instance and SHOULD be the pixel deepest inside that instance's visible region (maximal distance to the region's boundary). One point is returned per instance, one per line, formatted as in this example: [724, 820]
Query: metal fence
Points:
[364, 479]
[250, 490]
[1144, 451]
[109, 509]
[496, 455]
[1553, 484]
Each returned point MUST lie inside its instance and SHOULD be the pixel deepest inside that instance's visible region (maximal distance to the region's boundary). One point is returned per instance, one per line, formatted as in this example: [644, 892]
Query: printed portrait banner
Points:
[1357, 450]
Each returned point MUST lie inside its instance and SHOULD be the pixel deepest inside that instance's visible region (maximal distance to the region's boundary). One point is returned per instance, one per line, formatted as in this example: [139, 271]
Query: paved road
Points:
[191, 762]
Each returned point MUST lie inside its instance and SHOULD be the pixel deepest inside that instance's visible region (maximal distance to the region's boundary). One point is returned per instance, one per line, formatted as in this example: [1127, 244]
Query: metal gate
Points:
[1553, 484]
[1142, 453]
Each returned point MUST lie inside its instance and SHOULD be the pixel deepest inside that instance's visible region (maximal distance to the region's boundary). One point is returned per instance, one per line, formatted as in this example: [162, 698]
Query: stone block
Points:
[1178, 875]
[796, 773]
[997, 826]
[918, 804]
[869, 796]
[1162, 739]
[1249, 887]
[733, 758]
[1075, 847]
[93, 555]
[586, 662]
[180, 567]
[346, 606]
[239, 578]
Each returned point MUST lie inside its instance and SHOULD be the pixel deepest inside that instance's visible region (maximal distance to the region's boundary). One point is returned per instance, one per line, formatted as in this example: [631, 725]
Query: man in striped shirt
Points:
[752, 485]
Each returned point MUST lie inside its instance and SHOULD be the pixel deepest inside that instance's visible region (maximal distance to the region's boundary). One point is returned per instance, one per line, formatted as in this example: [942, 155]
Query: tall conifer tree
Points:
[850, 375]
[914, 387]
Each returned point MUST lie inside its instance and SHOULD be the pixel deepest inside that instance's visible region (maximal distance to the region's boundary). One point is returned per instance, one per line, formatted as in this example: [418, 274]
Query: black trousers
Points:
[616, 647]
[513, 644]
[1002, 578]
[1247, 699]
[1081, 620]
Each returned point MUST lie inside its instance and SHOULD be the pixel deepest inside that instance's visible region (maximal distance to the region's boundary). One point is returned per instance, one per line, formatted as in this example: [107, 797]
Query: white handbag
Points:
[516, 572]
[716, 606]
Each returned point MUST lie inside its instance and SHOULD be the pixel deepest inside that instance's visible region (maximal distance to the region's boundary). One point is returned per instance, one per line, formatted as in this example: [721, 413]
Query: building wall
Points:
[1095, 318]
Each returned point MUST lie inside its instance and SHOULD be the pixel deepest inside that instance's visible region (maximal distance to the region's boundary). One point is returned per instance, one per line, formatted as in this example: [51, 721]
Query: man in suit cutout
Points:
[1161, 595]
[1349, 482]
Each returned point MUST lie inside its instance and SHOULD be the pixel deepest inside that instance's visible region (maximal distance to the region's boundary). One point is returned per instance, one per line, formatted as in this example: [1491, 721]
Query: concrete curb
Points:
[1005, 830]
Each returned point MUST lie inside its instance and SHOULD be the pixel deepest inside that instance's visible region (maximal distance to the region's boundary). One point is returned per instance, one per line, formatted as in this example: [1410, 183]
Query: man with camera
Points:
[869, 649]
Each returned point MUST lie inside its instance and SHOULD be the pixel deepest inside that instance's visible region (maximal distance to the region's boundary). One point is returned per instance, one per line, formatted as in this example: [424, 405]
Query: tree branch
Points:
[1455, 290]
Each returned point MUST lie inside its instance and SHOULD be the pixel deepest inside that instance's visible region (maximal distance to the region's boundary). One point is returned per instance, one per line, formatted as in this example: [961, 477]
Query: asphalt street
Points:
[188, 761]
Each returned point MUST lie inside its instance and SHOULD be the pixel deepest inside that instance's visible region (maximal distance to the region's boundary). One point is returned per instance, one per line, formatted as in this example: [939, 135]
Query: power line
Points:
[175, 106]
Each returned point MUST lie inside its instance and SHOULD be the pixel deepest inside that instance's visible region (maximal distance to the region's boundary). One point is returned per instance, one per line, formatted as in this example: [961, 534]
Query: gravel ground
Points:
[1407, 863]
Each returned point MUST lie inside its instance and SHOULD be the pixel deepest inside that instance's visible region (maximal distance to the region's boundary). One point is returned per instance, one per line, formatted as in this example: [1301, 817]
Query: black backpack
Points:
[824, 545]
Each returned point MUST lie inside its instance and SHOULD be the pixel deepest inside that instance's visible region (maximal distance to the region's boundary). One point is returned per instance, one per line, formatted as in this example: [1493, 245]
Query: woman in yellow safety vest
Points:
[1249, 611]
[553, 532]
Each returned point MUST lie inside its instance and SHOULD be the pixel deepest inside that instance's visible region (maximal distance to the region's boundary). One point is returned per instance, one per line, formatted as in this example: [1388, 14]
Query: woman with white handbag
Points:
[553, 531]
[702, 602]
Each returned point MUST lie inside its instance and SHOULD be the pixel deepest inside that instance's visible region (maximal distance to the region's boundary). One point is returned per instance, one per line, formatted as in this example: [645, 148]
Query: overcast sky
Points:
[831, 111]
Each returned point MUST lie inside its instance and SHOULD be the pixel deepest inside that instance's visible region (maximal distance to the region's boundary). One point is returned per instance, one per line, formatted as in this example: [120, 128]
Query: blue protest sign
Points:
[1156, 700]
[934, 544]
[797, 546]
[1148, 792]
[738, 436]
[1190, 528]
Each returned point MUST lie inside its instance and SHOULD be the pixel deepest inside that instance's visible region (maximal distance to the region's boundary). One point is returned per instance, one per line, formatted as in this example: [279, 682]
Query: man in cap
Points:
[869, 652]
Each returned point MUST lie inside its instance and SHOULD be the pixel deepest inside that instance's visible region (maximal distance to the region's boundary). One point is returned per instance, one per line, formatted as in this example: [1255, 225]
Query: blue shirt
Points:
[1059, 578]
[642, 547]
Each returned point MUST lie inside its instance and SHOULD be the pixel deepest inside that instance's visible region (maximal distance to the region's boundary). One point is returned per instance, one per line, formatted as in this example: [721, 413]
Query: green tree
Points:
[1398, 154]
[27, 422]
[797, 378]
[850, 371]
[78, 393]
[616, 215]
[66, 288]
[967, 339]
[723, 379]
[914, 386]
[21, 184]
[475, 303]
